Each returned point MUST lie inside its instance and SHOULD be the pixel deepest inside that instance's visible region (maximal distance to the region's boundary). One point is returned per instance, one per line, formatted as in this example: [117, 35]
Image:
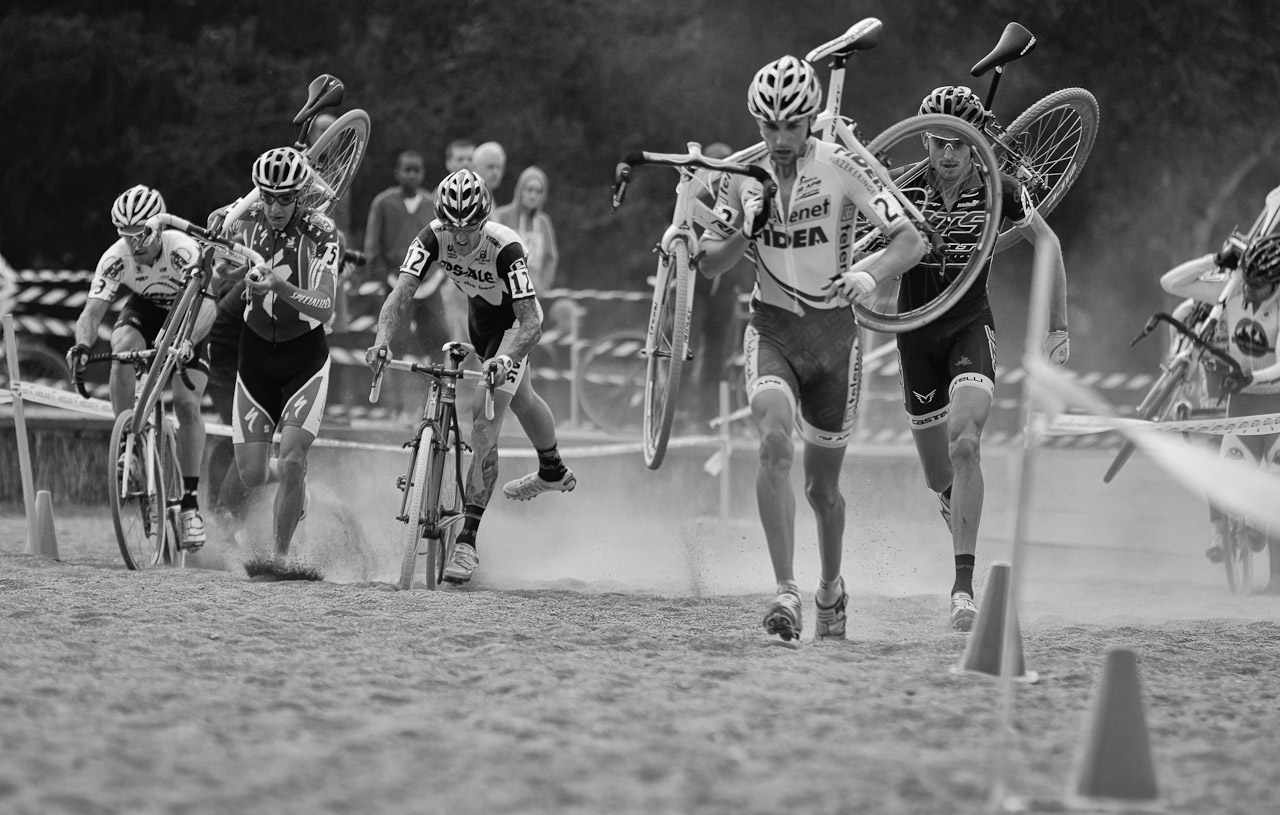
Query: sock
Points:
[964, 574]
[827, 591]
[550, 467]
[788, 587]
[190, 488]
[471, 524]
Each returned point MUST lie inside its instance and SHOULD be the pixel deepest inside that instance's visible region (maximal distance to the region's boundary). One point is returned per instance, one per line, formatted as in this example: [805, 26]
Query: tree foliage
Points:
[183, 95]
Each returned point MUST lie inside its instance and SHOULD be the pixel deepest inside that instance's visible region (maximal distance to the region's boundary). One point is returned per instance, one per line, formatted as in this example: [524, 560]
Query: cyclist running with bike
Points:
[1251, 322]
[151, 267]
[948, 367]
[802, 343]
[282, 375]
[487, 262]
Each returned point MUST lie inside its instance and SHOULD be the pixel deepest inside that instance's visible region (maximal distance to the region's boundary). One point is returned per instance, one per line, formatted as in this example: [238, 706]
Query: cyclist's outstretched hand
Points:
[498, 368]
[851, 287]
[375, 356]
[77, 357]
[1057, 347]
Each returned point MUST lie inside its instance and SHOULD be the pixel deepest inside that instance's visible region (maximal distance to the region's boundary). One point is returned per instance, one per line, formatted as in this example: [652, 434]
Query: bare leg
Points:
[774, 497]
[191, 432]
[970, 408]
[123, 379]
[534, 415]
[295, 444]
[822, 488]
[483, 473]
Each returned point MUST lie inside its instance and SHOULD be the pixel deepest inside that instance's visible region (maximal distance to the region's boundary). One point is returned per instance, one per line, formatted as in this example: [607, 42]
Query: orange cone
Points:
[44, 539]
[1113, 767]
[986, 640]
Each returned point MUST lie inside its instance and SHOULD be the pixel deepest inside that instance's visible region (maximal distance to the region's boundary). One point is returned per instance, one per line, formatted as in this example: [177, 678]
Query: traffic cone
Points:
[44, 539]
[986, 640]
[1113, 768]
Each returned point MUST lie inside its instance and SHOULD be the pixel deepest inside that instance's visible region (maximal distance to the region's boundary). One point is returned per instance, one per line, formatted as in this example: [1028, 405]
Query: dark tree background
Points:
[184, 94]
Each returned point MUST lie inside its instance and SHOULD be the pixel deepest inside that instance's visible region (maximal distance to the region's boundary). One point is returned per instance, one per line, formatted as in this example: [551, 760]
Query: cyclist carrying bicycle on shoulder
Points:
[151, 267]
[282, 376]
[1251, 319]
[487, 262]
[803, 347]
[948, 367]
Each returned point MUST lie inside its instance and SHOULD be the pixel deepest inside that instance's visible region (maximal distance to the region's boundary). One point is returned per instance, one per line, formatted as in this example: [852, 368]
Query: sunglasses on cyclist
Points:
[463, 230]
[943, 143]
[135, 235]
[286, 199]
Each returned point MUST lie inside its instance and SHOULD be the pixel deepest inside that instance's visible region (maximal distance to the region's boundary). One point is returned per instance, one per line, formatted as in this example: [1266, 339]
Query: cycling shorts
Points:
[489, 344]
[948, 353]
[815, 358]
[147, 318]
[280, 384]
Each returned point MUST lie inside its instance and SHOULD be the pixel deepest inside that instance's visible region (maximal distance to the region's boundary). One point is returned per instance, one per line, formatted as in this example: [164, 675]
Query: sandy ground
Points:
[609, 659]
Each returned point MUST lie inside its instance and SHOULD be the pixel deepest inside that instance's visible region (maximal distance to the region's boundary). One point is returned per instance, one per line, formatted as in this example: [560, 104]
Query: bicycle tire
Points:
[901, 149]
[668, 339]
[415, 516]
[138, 515]
[450, 510]
[1046, 147]
[37, 363]
[163, 363]
[335, 157]
[173, 553]
[1238, 557]
[610, 383]
[1152, 406]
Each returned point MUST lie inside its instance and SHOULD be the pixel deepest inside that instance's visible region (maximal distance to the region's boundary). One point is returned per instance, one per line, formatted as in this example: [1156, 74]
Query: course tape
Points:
[1071, 424]
[66, 400]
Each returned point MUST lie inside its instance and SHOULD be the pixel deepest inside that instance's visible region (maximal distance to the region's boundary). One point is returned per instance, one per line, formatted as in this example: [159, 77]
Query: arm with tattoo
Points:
[530, 330]
[396, 308]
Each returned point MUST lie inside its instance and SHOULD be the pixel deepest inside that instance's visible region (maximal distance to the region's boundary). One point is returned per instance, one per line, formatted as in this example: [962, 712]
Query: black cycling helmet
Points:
[1261, 262]
[958, 101]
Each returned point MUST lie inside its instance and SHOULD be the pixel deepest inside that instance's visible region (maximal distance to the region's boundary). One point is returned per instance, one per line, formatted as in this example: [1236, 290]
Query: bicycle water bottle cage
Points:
[862, 36]
[1016, 42]
[325, 91]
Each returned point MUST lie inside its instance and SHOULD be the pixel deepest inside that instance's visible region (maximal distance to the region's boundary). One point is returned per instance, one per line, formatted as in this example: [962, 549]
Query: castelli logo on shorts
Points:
[925, 398]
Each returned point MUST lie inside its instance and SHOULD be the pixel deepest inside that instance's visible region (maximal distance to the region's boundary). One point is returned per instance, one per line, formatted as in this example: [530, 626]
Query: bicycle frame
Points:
[422, 505]
[141, 440]
[325, 91]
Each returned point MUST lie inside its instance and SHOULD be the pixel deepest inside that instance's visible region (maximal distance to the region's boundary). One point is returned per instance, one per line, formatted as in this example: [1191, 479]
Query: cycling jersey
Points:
[304, 253]
[960, 227]
[804, 246]
[160, 283]
[1251, 333]
[492, 274]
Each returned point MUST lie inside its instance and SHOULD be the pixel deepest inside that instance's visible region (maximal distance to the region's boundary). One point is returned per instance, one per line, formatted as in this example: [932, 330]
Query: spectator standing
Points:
[526, 216]
[396, 216]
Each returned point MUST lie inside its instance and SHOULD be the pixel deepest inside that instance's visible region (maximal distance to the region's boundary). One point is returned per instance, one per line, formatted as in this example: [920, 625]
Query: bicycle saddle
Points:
[863, 36]
[1016, 42]
[325, 91]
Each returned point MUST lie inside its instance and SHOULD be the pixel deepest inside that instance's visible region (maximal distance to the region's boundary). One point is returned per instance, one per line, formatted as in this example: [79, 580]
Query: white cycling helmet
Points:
[958, 101]
[463, 199]
[785, 89]
[280, 170]
[135, 205]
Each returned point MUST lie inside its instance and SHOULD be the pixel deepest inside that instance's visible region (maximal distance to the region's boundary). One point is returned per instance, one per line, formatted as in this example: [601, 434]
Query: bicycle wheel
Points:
[611, 381]
[415, 514]
[137, 503]
[37, 363]
[668, 339]
[450, 511]
[1238, 557]
[174, 552]
[1046, 148]
[335, 157]
[962, 240]
[1152, 407]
